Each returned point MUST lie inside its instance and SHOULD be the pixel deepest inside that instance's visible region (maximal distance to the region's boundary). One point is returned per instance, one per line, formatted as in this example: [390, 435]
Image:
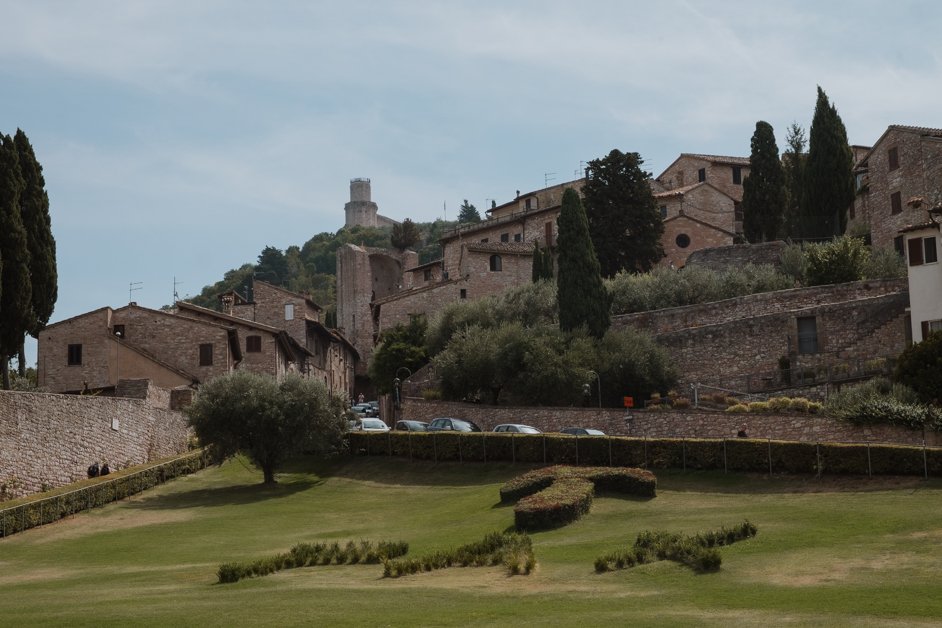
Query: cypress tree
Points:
[583, 300]
[624, 221]
[15, 295]
[34, 211]
[763, 193]
[537, 273]
[794, 166]
[829, 174]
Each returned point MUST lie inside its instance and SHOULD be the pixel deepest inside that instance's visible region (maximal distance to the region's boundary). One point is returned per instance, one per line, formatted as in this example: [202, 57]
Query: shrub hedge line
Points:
[513, 551]
[697, 552]
[106, 490]
[739, 454]
[311, 554]
[558, 495]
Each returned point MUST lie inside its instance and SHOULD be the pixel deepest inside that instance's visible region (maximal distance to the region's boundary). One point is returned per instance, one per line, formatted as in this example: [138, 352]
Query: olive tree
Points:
[267, 420]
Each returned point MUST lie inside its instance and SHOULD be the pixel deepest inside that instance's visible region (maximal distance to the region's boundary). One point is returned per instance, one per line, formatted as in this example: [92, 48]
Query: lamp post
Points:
[598, 379]
[397, 386]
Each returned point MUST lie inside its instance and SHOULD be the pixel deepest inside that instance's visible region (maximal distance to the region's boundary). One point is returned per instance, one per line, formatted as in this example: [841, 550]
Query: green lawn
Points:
[832, 552]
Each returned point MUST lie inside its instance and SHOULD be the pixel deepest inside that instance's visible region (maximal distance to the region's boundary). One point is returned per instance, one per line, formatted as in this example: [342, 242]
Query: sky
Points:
[180, 137]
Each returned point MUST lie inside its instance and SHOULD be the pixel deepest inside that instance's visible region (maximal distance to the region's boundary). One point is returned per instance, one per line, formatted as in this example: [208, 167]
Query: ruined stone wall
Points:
[738, 255]
[670, 424]
[49, 440]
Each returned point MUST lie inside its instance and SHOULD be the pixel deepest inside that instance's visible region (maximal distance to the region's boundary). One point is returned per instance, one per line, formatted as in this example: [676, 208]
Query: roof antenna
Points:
[133, 287]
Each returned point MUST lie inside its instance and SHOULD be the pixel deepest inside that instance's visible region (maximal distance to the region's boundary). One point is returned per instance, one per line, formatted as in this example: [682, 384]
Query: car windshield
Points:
[526, 429]
[373, 423]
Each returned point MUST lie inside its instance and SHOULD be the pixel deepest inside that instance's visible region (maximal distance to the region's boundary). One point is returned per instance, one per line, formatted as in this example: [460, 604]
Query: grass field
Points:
[831, 552]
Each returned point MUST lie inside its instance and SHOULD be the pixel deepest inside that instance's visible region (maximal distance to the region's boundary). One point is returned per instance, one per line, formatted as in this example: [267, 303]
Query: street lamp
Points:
[586, 387]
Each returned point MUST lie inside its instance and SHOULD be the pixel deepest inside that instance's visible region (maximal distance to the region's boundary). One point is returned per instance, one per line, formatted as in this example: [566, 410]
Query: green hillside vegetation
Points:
[837, 552]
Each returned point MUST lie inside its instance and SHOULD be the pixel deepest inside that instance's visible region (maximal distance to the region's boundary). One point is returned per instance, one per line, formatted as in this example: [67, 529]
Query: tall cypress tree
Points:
[542, 264]
[34, 211]
[763, 191]
[15, 296]
[583, 300]
[829, 174]
[794, 166]
[624, 221]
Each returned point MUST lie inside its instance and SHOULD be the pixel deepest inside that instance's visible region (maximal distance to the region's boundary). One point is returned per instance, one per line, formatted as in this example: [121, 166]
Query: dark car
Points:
[411, 426]
[582, 431]
[448, 424]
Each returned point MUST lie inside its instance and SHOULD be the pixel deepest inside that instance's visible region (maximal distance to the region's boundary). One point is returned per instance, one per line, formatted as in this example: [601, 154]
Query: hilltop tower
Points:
[361, 210]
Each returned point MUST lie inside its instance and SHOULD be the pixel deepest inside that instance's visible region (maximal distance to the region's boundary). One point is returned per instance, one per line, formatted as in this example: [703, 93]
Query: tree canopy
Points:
[793, 161]
[404, 235]
[583, 300]
[828, 174]
[763, 194]
[400, 346]
[268, 421]
[623, 218]
[542, 263]
[920, 368]
[16, 312]
[468, 213]
[272, 266]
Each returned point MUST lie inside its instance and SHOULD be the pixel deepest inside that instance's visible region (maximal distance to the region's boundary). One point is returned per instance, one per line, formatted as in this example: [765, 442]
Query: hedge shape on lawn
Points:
[513, 551]
[556, 496]
[697, 552]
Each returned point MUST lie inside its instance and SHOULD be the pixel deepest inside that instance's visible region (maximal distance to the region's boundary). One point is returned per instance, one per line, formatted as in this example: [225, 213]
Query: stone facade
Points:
[742, 343]
[361, 211]
[724, 173]
[905, 163]
[684, 235]
[738, 255]
[672, 424]
[49, 440]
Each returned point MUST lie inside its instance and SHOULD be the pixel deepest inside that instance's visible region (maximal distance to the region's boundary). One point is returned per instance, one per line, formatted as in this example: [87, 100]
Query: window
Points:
[464, 293]
[206, 354]
[922, 251]
[682, 240]
[505, 237]
[928, 327]
[548, 233]
[427, 274]
[701, 175]
[518, 237]
[526, 203]
[893, 157]
[737, 175]
[253, 344]
[899, 244]
[896, 203]
[118, 331]
[737, 211]
[496, 264]
[663, 211]
[289, 311]
[75, 355]
[807, 335]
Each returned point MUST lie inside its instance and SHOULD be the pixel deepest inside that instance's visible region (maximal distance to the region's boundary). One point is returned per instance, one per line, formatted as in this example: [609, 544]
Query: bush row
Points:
[104, 491]
[778, 405]
[558, 495]
[513, 551]
[697, 552]
[312, 554]
[740, 454]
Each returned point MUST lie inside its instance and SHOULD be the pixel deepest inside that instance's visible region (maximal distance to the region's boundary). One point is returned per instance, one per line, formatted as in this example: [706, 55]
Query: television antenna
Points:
[547, 177]
[133, 287]
[580, 171]
[176, 295]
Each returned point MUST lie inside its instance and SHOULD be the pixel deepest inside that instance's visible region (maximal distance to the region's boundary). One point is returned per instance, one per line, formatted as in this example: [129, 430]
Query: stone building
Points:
[723, 173]
[274, 333]
[696, 217]
[361, 211]
[904, 163]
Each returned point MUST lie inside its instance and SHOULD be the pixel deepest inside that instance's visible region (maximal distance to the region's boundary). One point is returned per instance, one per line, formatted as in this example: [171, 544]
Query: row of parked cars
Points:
[448, 424]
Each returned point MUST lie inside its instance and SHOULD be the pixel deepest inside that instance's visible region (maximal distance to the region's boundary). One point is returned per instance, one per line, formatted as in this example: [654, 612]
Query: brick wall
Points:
[683, 236]
[50, 440]
[738, 255]
[659, 424]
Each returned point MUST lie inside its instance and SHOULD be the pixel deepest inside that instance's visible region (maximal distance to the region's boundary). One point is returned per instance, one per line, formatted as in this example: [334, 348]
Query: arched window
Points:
[682, 240]
[495, 263]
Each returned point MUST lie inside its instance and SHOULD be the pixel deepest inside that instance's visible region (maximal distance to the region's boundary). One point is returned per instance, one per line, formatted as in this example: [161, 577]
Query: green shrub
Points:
[681, 403]
[798, 404]
[738, 408]
[431, 394]
[839, 261]
[759, 407]
[512, 550]
[779, 404]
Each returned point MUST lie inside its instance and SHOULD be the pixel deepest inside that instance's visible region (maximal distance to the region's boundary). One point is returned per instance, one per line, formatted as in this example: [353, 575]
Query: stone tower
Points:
[361, 210]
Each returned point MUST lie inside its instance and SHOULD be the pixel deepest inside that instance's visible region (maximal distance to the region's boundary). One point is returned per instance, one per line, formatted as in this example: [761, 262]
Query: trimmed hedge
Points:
[697, 552]
[313, 554]
[558, 495]
[106, 490]
[513, 551]
[736, 454]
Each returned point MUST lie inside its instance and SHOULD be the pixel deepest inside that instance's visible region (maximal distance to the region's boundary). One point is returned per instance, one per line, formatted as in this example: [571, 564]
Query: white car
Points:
[371, 425]
[517, 428]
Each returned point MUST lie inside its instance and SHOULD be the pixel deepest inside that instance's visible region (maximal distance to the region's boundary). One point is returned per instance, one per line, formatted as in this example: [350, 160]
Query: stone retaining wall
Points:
[671, 424]
[48, 440]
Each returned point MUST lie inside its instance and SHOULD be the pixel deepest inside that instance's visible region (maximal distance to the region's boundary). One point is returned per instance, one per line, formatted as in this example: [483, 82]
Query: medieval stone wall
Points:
[671, 424]
[49, 440]
[738, 255]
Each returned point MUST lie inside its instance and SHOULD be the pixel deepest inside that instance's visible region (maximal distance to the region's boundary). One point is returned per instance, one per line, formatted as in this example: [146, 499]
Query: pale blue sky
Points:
[179, 138]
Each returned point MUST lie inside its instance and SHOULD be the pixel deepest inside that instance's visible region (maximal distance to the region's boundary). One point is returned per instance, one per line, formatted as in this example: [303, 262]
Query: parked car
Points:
[411, 426]
[517, 428]
[371, 425]
[582, 431]
[448, 424]
[374, 405]
[364, 409]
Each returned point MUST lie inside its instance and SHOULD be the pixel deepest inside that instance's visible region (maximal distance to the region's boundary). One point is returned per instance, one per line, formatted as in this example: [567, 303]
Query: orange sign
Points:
[629, 402]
